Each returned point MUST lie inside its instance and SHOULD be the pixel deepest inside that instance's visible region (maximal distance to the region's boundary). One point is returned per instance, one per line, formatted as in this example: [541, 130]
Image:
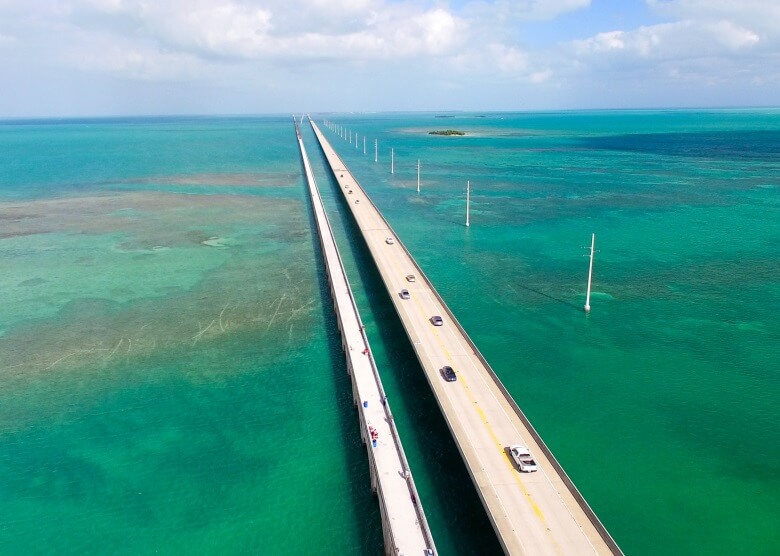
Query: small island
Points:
[447, 132]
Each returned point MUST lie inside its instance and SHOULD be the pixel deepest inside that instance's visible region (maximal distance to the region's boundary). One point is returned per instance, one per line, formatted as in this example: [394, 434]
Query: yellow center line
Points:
[500, 447]
[475, 404]
[365, 215]
[484, 419]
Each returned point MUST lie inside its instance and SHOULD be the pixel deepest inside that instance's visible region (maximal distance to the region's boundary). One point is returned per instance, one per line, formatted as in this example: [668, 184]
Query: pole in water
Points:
[392, 160]
[356, 141]
[468, 198]
[376, 150]
[418, 176]
[364, 144]
[590, 273]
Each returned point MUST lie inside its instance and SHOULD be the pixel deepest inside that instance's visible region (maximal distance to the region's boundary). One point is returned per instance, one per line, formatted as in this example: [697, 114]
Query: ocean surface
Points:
[171, 378]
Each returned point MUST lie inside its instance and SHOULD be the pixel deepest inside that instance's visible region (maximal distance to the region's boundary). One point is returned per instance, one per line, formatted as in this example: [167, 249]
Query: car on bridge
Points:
[525, 462]
[410, 278]
[448, 373]
[404, 294]
[389, 241]
[436, 320]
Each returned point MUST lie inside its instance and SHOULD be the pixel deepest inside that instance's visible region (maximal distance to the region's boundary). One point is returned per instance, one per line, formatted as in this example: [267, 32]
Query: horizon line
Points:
[7, 119]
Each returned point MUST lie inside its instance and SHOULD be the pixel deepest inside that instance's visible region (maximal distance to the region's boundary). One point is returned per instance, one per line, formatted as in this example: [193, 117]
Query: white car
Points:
[410, 278]
[389, 241]
[525, 462]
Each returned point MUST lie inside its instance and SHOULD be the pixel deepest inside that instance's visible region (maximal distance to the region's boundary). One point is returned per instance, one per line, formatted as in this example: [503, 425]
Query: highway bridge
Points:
[540, 512]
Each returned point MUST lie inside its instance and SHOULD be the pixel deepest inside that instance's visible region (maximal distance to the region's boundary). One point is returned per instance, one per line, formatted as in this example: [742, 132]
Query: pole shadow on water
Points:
[547, 295]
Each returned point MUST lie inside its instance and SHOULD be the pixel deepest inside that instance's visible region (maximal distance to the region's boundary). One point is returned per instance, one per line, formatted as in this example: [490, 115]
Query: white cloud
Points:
[540, 76]
[757, 11]
[191, 37]
[546, 9]
[757, 17]
[499, 12]
[733, 36]
[133, 60]
[680, 40]
[603, 42]
[712, 50]
[293, 30]
[438, 46]
[509, 60]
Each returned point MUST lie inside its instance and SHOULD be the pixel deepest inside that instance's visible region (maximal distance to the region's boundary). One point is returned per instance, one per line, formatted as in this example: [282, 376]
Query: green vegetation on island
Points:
[447, 132]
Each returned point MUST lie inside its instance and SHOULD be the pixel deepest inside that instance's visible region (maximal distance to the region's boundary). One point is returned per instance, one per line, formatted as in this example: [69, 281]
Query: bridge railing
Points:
[421, 518]
[579, 498]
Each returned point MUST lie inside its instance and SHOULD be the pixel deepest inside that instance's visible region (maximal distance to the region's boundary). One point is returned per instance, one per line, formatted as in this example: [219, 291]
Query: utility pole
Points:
[468, 198]
[590, 272]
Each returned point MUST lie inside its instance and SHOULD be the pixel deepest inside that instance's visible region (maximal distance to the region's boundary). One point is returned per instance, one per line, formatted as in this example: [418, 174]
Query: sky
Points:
[72, 58]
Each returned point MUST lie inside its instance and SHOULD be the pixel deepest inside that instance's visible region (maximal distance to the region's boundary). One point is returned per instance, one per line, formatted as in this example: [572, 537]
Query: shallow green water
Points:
[170, 372]
[171, 376]
[661, 404]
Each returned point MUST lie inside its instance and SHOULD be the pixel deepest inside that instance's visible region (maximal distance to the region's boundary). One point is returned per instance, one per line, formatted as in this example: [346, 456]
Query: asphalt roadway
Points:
[532, 513]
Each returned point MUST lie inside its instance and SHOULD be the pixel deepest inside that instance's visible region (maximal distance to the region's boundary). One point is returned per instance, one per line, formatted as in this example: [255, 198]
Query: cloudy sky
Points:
[128, 57]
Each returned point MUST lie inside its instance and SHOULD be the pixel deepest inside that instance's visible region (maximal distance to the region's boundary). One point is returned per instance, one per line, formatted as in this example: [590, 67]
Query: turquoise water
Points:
[171, 377]
[171, 374]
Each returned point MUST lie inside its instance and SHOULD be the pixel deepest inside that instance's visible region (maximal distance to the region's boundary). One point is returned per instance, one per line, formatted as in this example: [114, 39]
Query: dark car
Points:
[448, 374]
[404, 294]
[436, 320]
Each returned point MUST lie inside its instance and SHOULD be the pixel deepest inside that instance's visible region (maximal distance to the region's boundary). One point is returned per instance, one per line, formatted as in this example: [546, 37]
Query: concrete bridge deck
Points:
[532, 513]
[404, 525]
